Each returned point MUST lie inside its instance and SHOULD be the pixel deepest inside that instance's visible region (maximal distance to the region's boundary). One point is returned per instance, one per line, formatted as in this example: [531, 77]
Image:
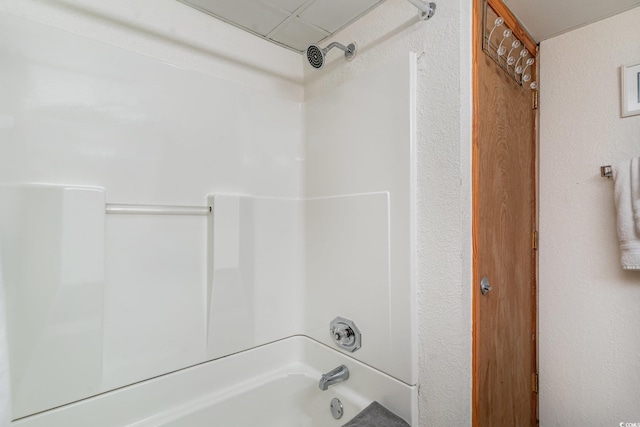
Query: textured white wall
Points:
[443, 152]
[589, 321]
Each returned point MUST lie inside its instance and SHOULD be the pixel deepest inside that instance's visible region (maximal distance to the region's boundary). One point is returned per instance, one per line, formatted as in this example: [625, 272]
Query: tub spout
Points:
[337, 375]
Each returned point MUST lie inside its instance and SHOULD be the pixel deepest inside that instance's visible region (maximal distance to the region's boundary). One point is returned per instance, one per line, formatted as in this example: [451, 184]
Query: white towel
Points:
[626, 179]
[635, 191]
[5, 396]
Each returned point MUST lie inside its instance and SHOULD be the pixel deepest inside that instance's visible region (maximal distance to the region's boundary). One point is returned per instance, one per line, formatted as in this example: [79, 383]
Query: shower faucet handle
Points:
[345, 334]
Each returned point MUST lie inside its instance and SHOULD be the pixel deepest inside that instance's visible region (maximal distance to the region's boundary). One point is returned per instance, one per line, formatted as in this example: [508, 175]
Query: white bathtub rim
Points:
[202, 402]
[294, 354]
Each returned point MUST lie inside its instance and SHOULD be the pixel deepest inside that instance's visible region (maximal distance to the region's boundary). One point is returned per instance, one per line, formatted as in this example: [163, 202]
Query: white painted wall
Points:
[589, 321]
[443, 192]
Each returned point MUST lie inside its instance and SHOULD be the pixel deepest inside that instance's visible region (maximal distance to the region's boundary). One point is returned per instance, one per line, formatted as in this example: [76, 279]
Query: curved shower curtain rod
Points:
[427, 9]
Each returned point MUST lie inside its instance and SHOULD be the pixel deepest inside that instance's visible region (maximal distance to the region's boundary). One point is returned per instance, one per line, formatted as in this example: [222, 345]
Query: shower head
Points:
[316, 55]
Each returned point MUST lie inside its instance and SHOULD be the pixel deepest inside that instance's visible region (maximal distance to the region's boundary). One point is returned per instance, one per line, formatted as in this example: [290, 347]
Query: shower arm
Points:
[339, 46]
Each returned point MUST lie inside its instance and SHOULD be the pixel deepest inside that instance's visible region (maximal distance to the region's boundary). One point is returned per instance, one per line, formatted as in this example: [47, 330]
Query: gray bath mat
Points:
[376, 415]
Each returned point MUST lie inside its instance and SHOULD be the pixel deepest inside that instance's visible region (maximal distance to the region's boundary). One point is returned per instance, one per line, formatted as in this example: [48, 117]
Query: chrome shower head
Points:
[316, 55]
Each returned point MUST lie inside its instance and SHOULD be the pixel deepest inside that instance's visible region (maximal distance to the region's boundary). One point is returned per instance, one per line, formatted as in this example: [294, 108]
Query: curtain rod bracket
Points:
[427, 9]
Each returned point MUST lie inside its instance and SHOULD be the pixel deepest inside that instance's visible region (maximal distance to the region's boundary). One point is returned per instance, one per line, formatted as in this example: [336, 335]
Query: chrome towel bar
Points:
[158, 210]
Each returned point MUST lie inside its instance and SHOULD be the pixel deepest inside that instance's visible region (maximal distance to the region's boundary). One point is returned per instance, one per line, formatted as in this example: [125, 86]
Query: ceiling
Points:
[295, 24]
[548, 18]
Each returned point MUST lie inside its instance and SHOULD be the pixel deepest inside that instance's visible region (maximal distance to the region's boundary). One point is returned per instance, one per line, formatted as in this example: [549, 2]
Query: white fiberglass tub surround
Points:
[275, 385]
[151, 319]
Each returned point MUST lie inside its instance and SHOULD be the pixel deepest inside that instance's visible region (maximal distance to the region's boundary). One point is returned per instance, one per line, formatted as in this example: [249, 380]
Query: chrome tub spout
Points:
[337, 375]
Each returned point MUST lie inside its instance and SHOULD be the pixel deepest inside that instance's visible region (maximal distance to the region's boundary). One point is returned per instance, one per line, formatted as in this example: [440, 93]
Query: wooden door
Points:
[504, 223]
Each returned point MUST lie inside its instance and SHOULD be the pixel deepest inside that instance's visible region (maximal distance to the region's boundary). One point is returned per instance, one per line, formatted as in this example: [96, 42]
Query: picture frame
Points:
[630, 90]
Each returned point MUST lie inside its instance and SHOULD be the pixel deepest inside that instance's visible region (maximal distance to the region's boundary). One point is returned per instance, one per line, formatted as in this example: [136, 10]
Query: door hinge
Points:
[534, 99]
[534, 240]
[534, 382]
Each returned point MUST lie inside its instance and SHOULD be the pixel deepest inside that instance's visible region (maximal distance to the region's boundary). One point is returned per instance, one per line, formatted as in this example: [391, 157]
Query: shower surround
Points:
[312, 217]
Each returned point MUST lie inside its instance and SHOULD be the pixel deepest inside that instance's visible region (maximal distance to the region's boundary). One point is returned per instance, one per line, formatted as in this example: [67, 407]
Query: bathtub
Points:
[275, 385]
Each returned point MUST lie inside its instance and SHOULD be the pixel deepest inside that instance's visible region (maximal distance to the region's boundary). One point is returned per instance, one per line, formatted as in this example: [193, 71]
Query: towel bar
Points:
[158, 210]
[606, 171]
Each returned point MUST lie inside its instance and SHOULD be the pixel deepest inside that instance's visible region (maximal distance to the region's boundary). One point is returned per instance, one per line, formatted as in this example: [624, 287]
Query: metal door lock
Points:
[345, 334]
[485, 286]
